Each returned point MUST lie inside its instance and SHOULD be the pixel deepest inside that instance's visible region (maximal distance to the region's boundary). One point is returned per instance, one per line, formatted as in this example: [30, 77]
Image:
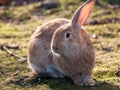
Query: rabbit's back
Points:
[39, 45]
[48, 28]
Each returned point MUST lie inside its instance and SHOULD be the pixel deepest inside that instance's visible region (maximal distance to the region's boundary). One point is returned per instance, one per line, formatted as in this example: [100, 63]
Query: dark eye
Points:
[67, 35]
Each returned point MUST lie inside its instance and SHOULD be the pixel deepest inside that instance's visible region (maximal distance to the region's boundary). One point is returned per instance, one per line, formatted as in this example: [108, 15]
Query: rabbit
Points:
[61, 48]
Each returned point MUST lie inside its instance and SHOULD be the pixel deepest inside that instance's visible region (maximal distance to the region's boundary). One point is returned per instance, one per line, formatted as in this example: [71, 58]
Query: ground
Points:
[18, 22]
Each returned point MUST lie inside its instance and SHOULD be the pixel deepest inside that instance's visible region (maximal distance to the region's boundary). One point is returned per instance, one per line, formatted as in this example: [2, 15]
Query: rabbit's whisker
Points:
[49, 52]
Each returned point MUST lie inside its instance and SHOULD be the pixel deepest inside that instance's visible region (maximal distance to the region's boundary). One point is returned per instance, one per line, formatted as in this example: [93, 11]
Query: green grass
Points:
[17, 23]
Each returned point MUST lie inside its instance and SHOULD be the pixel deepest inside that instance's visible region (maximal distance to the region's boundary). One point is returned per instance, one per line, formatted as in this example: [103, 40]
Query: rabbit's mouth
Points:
[54, 49]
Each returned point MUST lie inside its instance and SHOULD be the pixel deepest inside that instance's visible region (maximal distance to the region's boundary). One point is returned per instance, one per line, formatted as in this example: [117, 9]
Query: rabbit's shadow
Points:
[59, 84]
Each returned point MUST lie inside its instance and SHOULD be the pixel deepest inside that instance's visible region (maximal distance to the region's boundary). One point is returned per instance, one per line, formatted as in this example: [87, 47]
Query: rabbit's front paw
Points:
[88, 81]
[77, 80]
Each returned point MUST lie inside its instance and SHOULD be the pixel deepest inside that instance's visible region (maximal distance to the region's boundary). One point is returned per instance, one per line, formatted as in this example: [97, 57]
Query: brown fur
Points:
[80, 62]
[61, 48]
[39, 44]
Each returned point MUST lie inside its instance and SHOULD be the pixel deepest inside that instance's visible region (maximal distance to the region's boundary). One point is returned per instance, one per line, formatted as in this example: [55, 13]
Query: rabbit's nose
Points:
[55, 48]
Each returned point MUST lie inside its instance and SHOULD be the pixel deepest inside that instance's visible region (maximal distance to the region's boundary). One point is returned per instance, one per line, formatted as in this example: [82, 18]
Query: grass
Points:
[17, 23]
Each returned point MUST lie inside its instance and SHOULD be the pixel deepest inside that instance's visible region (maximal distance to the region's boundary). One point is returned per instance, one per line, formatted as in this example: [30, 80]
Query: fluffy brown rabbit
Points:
[61, 48]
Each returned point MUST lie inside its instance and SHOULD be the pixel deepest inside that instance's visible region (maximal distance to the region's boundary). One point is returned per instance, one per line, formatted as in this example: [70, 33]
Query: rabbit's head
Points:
[67, 39]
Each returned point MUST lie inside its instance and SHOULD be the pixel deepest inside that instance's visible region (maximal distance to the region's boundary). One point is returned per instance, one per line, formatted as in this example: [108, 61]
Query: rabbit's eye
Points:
[67, 35]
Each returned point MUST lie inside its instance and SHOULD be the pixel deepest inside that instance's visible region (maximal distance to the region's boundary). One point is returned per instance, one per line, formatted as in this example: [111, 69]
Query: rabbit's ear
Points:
[82, 13]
